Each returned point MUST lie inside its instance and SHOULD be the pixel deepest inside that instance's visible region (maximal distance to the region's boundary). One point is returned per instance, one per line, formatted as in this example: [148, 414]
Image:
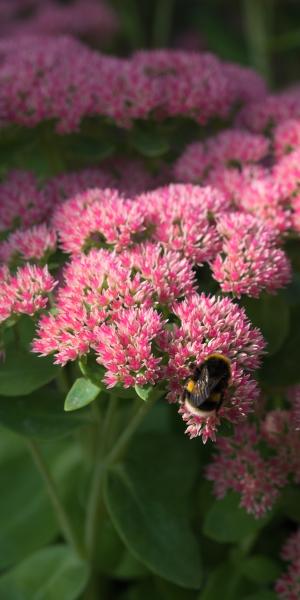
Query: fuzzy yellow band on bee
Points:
[190, 385]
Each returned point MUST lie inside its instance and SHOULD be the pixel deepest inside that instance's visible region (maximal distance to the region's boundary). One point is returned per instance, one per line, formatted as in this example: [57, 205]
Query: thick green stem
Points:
[95, 498]
[92, 514]
[61, 515]
[257, 17]
[162, 22]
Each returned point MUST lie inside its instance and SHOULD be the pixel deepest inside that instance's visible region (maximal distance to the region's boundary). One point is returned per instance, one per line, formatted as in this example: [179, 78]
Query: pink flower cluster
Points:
[100, 285]
[261, 115]
[60, 79]
[183, 219]
[22, 201]
[124, 347]
[26, 292]
[242, 464]
[138, 247]
[33, 244]
[249, 261]
[288, 586]
[208, 325]
[230, 147]
[82, 17]
[98, 218]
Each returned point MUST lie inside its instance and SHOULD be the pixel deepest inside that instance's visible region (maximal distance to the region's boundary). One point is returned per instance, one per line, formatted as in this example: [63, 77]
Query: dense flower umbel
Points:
[249, 261]
[127, 175]
[82, 17]
[210, 324]
[26, 292]
[98, 218]
[286, 173]
[33, 244]
[288, 586]
[43, 77]
[99, 285]
[271, 110]
[124, 347]
[263, 197]
[231, 147]
[279, 429]
[286, 137]
[183, 217]
[22, 202]
[294, 398]
[240, 466]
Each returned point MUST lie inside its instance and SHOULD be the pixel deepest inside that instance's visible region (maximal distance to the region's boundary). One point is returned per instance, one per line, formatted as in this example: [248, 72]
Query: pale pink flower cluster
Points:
[26, 292]
[242, 464]
[249, 261]
[246, 83]
[100, 218]
[33, 244]
[124, 347]
[209, 324]
[286, 137]
[286, 173]
[97, 286]
[183, 218]
[263, 113]
[22, 202]
[81, 17]
[58, 78]
[288, 586]
[294, 398]
[230, 147]
[127, 175]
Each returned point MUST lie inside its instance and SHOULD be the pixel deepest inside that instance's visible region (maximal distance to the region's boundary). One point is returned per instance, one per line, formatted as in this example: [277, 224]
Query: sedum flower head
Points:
[32, 244]
[288, 586]
[98, 218]
[98, 285]
[26, 292]
[240, 466]
[22, 202]
[183, 218]
[125, 347]
[249, 261]
[209, 324]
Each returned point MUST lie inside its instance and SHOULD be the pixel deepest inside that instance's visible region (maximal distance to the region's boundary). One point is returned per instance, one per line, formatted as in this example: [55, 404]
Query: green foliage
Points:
[226, 578]
[264, 313]
[149, 141]
[282, 369]
[27, 520]
[54, 572]
[149, 506]
[24, 372]
[226, 522]
[82, 392]
[143, 392]
[40, 414]
[113, 558]
[290, 503]
[260, 569]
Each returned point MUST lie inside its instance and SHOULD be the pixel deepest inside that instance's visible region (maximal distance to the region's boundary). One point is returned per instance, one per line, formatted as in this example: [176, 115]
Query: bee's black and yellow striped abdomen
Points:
[204, 391]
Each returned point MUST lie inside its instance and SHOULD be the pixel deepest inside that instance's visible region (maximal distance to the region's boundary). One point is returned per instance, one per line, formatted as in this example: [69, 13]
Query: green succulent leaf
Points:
[23, 372]
[149, 506]
[82, 392]
[54, 572]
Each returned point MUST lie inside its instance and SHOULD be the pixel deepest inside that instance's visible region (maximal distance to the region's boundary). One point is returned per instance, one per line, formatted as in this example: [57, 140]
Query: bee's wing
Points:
[204, 386]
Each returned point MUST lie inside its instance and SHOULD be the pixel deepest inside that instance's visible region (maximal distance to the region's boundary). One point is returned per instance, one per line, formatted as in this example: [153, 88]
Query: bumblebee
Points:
[204, 392]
